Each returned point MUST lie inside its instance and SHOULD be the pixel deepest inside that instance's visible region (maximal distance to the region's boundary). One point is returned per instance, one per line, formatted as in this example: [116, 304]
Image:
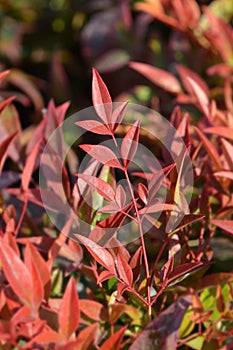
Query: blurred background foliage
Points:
[52, 46]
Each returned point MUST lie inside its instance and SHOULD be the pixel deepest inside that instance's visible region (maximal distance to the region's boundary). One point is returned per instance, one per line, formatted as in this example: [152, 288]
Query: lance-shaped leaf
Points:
[5, 103]
[118, 114]
[225, 174]
[93, 309]
[209, 148]
[166, 269]
[182, 271]
[101, 98]
[124, 270]
[87, 337]
[69, 312]
[226, 225]
[186, 73]
[33, 256]
[159, 77]
[114, 342]
[100, 254]
[162, 333]
[228, 151]
[29, 166]
[143, 192]
[103, 154]
[220, 131]
[120, 196]
[200, 95]
[17, 274]
[4, 147]
[99, 185]
[130, 143]
[136, 263]
[37, 291]
[94, 126]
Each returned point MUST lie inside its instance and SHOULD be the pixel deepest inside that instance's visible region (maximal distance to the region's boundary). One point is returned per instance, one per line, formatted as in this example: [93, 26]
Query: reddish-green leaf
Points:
[159, 77]
[100, 254]
[130, 143]
[94, 126]
[226, 225]
[101, 98]
[69, 312]
[100, 186]
[103, 154]
[162, 333]
[114, 342]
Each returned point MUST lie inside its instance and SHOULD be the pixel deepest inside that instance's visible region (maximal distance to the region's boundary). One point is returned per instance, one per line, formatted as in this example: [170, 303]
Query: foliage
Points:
[172, 286]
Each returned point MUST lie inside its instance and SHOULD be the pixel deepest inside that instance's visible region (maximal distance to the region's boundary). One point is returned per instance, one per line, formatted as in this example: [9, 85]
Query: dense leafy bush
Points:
[171, 284]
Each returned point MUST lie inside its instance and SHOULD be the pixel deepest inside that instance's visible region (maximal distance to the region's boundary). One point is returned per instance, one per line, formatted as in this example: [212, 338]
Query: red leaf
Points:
[118, 114]
[143, 192]
[94, 126]
[166, 269]
[226, 225]
[104, 276]
[182, 270]
[5, 103]
[103, 154]
[185, 73]
[124, 270]
[209, 148]
[101, 98]
[114, 342]
[29, 166]
[162, 333]
[225, 174]
[4, 74]
[136, 263]
[69, 312]
[4, 147]
[200, 95]
[120, 196]
[221, 131]
[100, 254]
[130, 143]
[100, 186]
[17, 274]
[37, 291]
[228, 151]
[93, 310]
[33, 256]
[159, 77]
[87, 337]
